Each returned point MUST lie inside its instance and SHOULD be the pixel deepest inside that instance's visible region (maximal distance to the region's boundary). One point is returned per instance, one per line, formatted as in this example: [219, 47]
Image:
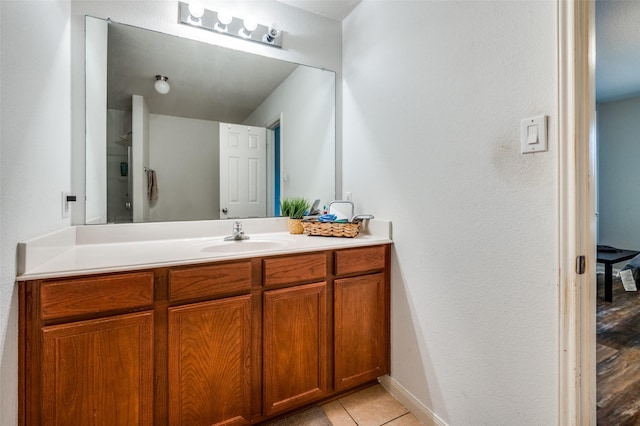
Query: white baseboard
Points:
[424, 414]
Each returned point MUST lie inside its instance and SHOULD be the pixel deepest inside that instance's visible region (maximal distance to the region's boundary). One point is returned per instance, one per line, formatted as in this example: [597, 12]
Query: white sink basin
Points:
[242, 246]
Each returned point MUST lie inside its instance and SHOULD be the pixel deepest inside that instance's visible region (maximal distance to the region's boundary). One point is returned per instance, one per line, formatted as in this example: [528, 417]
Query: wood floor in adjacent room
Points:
[618, 356]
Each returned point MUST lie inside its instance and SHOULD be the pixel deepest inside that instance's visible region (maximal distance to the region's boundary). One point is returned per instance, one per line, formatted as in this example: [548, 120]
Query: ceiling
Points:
[207, 82]
[617, 41]
[617, 49]
[334, 9]
[193, 68]
[617, 57]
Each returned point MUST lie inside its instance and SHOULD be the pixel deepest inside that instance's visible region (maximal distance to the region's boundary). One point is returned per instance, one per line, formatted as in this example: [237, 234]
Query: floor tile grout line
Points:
[381, 424]
[394, 419]
[347, 411]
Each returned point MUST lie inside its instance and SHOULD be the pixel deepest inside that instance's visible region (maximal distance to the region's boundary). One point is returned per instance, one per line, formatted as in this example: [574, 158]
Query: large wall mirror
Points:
[235, 134]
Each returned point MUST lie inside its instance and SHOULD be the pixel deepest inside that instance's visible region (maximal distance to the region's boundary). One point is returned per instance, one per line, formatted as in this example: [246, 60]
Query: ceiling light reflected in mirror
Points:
[162, 84]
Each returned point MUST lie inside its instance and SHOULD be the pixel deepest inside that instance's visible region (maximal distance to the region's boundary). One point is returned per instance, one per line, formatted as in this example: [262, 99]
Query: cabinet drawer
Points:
[209, 281]
[360, 260]
[292, 269]
[96, 294]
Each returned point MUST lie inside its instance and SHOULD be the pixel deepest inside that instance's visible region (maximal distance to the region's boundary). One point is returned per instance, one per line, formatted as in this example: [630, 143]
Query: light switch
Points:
[533, 134]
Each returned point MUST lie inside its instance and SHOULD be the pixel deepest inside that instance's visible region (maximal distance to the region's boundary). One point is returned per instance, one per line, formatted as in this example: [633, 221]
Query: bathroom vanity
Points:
[229, 337]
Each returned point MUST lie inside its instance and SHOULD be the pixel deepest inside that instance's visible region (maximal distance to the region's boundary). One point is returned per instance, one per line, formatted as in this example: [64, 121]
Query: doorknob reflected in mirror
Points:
[225, 210]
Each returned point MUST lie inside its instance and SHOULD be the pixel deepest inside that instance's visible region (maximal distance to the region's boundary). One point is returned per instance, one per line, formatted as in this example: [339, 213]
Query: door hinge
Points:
[581, 264]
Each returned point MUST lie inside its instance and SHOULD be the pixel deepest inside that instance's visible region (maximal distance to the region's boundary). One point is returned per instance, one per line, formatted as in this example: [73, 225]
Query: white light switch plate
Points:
[533, 134]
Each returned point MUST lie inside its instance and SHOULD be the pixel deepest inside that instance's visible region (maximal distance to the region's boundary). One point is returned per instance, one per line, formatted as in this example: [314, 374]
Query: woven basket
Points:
[331, 229]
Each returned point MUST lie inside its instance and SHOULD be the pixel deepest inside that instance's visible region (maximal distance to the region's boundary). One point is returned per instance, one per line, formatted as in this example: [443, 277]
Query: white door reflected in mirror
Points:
[243, 171]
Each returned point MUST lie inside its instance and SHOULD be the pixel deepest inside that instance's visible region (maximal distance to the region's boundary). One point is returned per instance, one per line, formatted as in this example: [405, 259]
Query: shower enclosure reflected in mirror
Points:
[190, 154]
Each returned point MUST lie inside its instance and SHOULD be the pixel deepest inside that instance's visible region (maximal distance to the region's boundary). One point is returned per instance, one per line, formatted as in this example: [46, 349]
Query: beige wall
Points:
[618, 173]
[35, 136]
[432, 109]
[42, 117]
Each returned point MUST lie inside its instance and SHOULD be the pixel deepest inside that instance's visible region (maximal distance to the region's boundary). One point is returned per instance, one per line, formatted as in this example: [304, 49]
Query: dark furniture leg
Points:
[609, 257]
[608, 282]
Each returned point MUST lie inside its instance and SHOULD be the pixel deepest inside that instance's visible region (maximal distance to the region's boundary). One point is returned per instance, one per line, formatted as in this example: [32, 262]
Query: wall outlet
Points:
[65, 205]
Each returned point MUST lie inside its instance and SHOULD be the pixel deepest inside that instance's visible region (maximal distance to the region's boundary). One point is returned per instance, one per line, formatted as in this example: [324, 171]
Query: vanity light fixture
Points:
[162, 84]
[272, 33]
[223, 22]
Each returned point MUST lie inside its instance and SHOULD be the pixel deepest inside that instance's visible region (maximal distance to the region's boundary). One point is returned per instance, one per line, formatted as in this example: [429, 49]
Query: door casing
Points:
[576, 216]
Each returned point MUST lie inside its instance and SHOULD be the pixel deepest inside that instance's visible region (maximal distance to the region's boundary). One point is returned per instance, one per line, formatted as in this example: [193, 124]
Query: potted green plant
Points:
[294, 208]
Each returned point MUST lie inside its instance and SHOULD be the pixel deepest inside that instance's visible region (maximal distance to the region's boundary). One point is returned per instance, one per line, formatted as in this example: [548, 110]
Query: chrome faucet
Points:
[238, 233]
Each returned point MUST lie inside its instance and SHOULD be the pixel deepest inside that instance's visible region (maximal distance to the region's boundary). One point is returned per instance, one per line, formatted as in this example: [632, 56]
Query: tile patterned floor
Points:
[372, 406]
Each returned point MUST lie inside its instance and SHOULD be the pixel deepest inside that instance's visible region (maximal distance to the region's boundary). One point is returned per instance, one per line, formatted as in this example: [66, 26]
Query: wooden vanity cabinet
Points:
[209, 362]
[295, 327]
[209, 345]
[361, 316]
[99, 371]
[85, 357]
[295, 346]
[225, 343]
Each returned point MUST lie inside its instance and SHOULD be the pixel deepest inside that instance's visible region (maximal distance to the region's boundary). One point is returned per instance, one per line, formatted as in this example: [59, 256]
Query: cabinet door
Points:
[295, 346]
[361, 330]
[99, 372]
[209, 370]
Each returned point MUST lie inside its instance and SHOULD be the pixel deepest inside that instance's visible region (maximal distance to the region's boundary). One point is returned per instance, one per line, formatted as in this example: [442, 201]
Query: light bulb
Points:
[162, 84]
[225, 17]
[250, 23]
[196, 10]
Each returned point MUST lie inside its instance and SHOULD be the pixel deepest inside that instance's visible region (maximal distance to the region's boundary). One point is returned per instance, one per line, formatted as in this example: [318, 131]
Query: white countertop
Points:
[91, 249]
